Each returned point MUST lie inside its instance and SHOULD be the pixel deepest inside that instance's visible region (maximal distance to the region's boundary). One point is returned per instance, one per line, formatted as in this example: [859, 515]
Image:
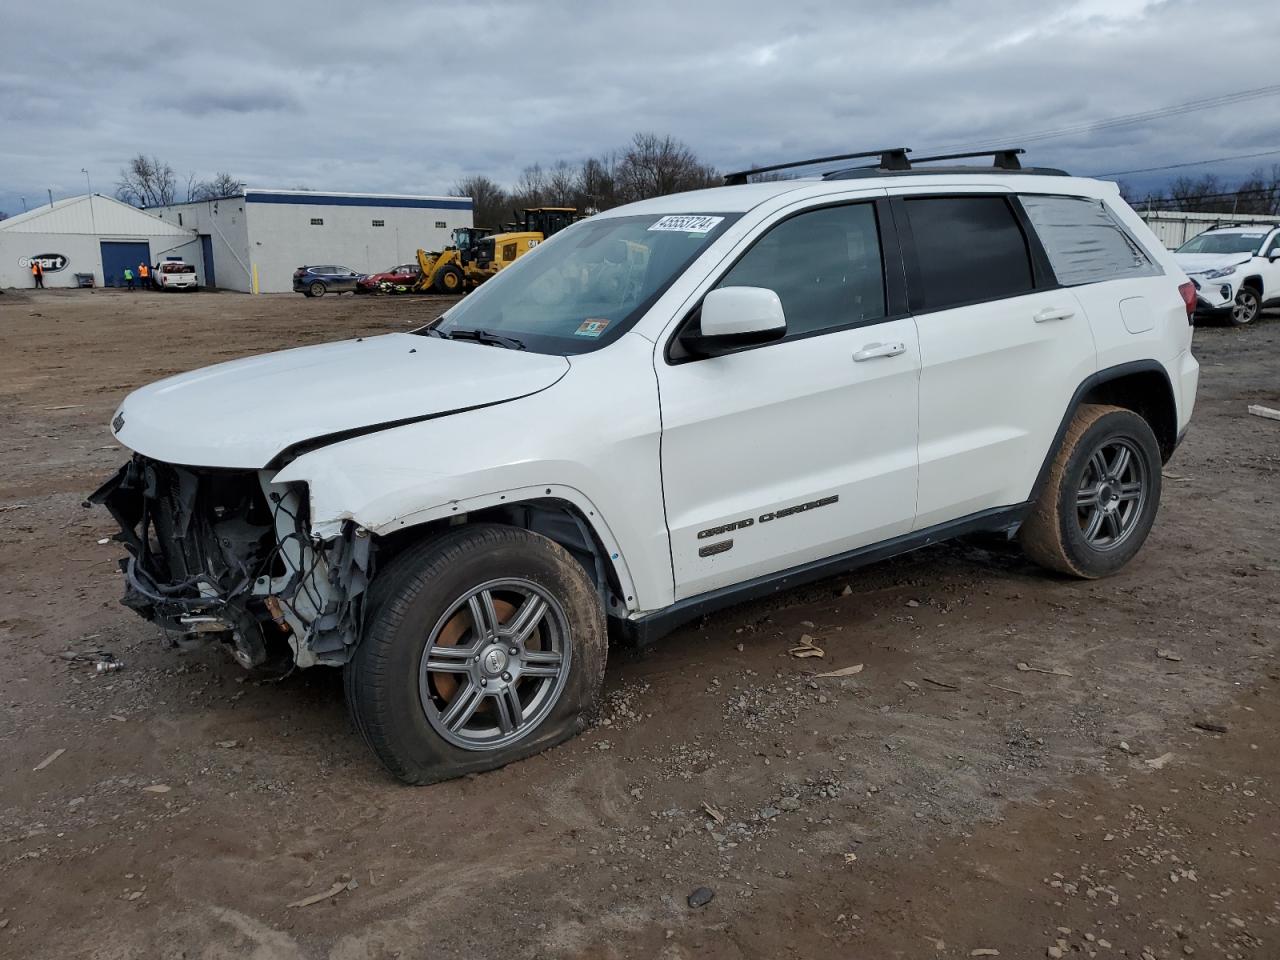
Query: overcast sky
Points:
[408, 97]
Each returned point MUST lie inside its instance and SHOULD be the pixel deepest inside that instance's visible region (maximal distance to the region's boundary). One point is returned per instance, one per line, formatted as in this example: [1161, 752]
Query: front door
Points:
[799, 450]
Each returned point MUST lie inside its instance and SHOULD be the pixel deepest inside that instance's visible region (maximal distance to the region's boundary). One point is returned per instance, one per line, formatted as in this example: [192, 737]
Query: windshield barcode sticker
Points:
[686, 223]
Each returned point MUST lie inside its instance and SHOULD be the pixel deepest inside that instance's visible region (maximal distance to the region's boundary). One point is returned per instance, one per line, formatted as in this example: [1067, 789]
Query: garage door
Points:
[118, 254]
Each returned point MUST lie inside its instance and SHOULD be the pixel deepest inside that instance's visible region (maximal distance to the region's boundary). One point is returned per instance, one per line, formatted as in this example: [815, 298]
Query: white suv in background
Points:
[1236, 270]
[665, 409]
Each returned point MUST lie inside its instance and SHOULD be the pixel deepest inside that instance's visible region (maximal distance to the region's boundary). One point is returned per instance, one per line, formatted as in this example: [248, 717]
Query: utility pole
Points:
[50, 189]
[87, 184]
[93, 220]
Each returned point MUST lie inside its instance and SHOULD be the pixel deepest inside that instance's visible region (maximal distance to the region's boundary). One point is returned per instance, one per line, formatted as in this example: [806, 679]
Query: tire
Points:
[449, 280]
[1246, 308]
[1091, 518]
[421, 601]
[317, 289]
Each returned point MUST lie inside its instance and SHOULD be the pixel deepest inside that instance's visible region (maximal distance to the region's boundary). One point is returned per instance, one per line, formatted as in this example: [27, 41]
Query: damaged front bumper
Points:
[228, 554]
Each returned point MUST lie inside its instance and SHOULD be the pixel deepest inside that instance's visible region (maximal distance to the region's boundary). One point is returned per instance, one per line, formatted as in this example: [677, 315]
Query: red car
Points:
[403, 275]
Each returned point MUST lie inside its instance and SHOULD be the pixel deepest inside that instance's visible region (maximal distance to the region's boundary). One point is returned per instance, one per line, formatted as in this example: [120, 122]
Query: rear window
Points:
[968, 249]
[177, 268]
[1084, 241]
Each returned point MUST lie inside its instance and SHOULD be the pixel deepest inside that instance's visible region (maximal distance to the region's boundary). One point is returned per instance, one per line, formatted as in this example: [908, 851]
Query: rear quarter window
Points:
[1084, 241]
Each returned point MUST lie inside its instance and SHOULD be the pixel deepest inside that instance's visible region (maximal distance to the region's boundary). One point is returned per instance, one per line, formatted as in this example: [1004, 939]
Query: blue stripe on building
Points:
[331, 200]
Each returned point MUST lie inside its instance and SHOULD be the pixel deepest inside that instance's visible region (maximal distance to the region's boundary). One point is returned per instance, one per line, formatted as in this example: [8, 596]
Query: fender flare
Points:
[1092, 382]
[591, 515]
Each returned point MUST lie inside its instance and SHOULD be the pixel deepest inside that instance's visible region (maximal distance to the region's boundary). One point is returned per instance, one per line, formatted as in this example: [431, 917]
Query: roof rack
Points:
[1006, 158]
[891, 158]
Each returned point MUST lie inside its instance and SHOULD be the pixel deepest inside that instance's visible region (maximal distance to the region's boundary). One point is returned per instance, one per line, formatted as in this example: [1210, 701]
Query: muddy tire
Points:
[1101, 496]
[317, 289]
[481, 647]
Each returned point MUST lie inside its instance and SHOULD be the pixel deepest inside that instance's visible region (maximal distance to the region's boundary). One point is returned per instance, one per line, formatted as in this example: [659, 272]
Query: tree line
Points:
[1259, 193]
[150, 182]
[650, 165]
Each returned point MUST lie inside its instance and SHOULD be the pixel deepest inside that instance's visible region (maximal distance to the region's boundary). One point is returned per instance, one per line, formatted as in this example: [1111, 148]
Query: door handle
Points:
[873, 350]
[1053, 313]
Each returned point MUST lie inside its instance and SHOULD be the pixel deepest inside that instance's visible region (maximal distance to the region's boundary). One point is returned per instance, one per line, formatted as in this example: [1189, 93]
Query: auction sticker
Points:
[591, 328]
[686, 223]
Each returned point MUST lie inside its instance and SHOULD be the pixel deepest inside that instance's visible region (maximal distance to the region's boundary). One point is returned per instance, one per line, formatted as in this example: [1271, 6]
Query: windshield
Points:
[1223, 243]
[586, 286]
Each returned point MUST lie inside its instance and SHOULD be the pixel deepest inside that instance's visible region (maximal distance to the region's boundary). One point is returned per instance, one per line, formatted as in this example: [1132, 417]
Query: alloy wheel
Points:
[1245, 308]
[1112, 494]
[495, 664]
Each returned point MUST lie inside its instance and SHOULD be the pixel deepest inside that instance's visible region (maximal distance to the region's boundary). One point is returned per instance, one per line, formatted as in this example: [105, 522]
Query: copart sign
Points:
[50, 262]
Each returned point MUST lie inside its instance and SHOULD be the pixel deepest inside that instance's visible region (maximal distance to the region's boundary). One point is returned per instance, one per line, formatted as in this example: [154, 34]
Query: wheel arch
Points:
[560, 514]
[1254, 280]
[1142, 386]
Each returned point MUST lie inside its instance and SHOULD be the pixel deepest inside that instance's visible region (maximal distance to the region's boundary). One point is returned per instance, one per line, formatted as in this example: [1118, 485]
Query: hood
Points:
[246, 412]
[1200, 262]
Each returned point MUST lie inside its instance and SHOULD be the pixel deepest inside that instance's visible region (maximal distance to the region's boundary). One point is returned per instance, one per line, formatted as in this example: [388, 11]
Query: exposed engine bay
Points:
[222, 554]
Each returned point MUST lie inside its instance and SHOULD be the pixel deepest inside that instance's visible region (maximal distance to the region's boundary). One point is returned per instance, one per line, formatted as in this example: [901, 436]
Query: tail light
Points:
[1188, 291]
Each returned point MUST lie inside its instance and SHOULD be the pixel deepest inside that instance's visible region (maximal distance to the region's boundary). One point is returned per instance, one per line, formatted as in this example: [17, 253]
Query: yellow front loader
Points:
[475, 256]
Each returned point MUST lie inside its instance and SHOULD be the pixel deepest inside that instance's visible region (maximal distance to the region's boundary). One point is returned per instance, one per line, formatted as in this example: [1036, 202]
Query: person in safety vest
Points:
[37, 273]
[128, 279]
[143, 272]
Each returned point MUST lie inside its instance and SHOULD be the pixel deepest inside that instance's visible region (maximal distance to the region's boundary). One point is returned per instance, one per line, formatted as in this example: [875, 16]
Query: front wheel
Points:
[1245, 309]
[449, 280]
[482, 647]
[1101, 497]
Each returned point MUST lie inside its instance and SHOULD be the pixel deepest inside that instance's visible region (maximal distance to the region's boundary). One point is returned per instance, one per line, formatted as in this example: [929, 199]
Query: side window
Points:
[968, 249]
[1084, 241]
[824, 265]
[1273, 246]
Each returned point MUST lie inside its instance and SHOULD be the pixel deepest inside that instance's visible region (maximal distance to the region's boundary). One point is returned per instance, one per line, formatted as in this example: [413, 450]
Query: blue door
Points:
[206, 251]
[118, 254]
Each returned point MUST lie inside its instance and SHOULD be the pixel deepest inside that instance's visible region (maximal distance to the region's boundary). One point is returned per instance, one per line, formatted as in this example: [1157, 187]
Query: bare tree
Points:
[562, 182]
[653, 166]
[530, 189]
[146, 182]
[222, 185]
[597, 186]
[489, 202]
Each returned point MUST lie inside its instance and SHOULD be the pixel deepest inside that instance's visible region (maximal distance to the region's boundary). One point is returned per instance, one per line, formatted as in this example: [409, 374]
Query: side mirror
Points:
[1274, 255]
[734, 317]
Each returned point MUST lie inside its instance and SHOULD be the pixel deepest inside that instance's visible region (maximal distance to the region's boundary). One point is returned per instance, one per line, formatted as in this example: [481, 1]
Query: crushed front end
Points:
[228, 555]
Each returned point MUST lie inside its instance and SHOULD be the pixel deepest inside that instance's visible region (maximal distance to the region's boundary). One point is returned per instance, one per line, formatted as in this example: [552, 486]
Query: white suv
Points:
[1236, 270]
[663, 410]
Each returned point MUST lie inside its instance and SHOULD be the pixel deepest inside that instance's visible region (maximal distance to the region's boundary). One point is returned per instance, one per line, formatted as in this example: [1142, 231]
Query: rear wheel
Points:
[1246, 308]
[316, 289]
[449, 280]
[1101, 497]
[482, 647]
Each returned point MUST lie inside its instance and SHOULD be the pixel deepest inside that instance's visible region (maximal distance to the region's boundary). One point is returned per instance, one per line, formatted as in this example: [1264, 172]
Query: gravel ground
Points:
[940, 803]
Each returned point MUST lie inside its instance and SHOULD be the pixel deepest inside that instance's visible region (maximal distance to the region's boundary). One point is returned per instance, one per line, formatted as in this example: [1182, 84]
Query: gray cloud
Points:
[396, 97]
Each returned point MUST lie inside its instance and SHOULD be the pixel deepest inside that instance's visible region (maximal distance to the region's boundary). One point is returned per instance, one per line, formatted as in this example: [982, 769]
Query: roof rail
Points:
[1005, 159]
[891, 158]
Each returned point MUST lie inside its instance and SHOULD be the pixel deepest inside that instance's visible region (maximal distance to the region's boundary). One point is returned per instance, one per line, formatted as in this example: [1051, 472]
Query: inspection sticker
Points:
[591, 328]
[686, 223]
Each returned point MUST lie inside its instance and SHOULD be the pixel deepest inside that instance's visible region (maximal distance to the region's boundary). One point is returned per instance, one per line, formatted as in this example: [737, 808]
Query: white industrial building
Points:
[92, 236]
[1174, 228]
[254, 242]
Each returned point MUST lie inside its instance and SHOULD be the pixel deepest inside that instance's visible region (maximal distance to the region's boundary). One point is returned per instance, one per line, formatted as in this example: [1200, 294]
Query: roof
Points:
[740, 199]
[319, 198]
[92, 214]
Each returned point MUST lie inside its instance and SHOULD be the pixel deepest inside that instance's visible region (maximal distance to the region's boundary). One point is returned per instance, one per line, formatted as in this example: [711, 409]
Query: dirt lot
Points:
[940, 803]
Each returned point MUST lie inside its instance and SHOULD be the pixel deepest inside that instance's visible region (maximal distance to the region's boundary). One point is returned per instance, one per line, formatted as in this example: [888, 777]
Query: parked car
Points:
[1236, 270]
[402, 276]
[317, 281]
[667, 408]
[174, 275]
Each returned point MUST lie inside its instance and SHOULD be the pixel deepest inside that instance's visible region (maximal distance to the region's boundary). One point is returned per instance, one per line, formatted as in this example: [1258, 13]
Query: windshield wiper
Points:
[487, 338]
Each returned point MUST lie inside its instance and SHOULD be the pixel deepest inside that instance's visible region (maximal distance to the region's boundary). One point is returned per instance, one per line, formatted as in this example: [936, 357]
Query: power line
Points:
[1191, 163]
[1172, 110]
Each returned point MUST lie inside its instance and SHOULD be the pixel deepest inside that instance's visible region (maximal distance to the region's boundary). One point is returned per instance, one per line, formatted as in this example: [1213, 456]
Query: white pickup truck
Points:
[175, 275]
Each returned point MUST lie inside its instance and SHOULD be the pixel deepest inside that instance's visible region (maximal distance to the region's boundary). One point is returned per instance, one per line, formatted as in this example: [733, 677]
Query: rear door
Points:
[1002, 349]
[801, 449]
